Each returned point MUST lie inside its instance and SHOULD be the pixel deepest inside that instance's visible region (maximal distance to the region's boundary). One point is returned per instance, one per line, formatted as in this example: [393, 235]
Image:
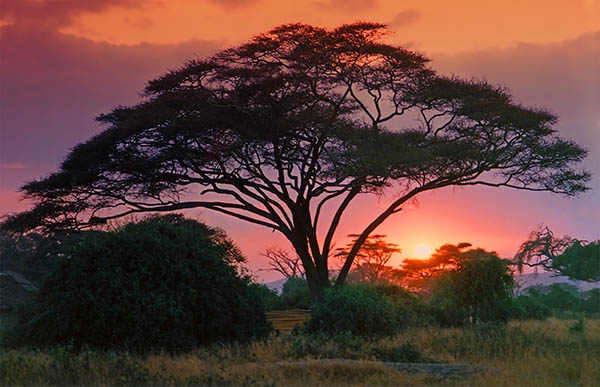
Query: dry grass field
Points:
[528, 353]
[284, 321]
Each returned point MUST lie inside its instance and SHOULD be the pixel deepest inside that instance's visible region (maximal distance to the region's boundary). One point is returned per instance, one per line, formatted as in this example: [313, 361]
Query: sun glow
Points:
[422, 251]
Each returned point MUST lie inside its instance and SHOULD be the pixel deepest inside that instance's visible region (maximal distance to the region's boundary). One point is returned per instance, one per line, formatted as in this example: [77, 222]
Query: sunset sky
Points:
[62, 62]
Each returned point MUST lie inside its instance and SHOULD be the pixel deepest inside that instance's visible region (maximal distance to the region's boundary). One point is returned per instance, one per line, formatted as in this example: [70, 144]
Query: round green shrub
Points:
[166, 283]
[353, 309]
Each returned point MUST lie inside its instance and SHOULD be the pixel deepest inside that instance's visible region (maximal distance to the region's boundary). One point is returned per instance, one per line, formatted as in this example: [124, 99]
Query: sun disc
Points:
[422, 251]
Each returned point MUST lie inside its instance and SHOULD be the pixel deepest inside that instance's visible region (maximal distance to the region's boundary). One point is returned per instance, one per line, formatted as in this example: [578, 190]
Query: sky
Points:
[63, 62]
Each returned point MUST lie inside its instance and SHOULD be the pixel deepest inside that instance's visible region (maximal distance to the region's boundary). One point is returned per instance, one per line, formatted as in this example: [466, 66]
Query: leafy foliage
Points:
[268, 297]
[558, 299]
[411, 308]
[591, 303]
[295, 294]
[166, 283]
[525, 307]
[479, 289]
[577, 259]
[32, 255]
[353, 309]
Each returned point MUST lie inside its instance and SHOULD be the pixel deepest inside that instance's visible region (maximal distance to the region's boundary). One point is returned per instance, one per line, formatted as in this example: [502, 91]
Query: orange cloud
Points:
[404, 18]
[433, 26]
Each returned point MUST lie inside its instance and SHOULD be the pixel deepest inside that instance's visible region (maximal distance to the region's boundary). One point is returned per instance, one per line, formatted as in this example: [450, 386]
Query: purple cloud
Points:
[53, 86]
[48, 14]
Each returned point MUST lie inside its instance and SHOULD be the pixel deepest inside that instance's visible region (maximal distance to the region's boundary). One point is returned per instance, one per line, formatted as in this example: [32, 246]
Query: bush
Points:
[561, 297]
[268, 297]
[295, 294]
[166, 283]
[478, 290]
[410, 308]
[592, 302]
[353, 309]
[526, 307]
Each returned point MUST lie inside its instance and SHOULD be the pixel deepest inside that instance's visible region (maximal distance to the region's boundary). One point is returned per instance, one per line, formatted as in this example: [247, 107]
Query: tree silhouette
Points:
[422, 273]
[285, 131]
[372, 258]
[281, 262]
[575, 258]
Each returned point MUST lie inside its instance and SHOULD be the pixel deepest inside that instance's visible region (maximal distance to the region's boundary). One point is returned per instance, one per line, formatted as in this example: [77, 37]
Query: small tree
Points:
[372, 258]
[281, 262]
[478, 288]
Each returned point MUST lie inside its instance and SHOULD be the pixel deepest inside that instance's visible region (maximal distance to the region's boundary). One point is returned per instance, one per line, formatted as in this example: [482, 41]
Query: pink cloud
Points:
[12, 166]
[11, 201]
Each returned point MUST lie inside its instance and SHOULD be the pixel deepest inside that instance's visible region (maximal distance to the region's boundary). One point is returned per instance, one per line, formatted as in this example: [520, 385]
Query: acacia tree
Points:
[575, 258]
[422, 273]
[285, 131]
[371, 260]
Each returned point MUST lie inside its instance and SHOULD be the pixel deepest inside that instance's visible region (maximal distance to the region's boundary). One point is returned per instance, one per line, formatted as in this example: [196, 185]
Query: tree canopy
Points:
[286, 130]
[422, 273]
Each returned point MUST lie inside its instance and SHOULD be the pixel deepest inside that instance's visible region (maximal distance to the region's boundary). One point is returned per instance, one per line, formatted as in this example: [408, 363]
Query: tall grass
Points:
[522, 353]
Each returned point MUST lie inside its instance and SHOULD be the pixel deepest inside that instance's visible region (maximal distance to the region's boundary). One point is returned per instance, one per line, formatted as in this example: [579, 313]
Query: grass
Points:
[525, 353]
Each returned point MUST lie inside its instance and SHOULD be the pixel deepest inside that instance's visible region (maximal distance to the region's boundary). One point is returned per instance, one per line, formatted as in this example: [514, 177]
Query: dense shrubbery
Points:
[33, 255]
[295, 294]
[525, 307]
[267, 296]
[411, 308]
[478, 290]
[558, 299]
[591, 303]
[166, 283]
[354, 309]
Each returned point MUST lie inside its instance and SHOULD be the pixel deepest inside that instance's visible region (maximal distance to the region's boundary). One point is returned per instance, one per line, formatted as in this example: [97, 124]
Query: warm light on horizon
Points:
[422, 251]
